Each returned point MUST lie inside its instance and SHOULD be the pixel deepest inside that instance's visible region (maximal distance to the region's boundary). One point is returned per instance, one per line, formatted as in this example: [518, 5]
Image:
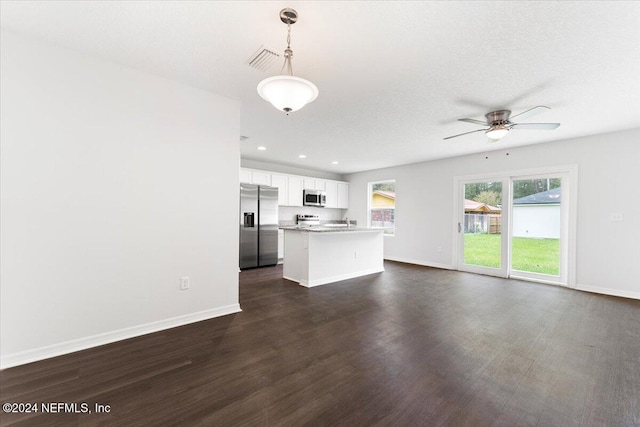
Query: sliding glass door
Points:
[538, 228]
[515, 226]
[480, 227]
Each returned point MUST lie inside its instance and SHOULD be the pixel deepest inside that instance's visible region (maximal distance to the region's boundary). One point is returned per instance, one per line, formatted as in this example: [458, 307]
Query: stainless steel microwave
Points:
[314, 198]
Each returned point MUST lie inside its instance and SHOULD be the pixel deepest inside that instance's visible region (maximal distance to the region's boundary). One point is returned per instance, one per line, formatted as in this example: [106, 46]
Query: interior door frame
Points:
[569, 217]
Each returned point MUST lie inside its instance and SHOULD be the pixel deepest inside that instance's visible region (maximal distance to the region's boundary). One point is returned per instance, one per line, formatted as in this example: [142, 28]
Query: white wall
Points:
[536, 221]
[607, 252]
[114, 184]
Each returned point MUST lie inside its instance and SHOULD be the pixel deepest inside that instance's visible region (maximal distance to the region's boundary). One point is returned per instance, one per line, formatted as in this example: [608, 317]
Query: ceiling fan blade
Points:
[536, 126]
[475, 122]
[530, 112]
[466, 133]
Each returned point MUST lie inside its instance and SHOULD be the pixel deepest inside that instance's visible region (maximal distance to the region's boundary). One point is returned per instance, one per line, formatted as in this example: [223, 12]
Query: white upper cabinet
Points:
[260, 178]
[295, 190]
[337, 194]
[331, 187]
[343, 195]
[290, 187]
[245, 176]
[309, 183]
[282, 183]
[315, 184]
[255, 177]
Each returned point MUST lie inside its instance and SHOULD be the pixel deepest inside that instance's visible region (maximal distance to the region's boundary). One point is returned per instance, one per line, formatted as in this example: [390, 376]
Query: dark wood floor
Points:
[412, 346]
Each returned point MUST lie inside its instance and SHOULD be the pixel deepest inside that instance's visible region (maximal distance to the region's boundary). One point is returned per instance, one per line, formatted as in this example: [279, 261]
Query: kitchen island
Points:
[319, 255]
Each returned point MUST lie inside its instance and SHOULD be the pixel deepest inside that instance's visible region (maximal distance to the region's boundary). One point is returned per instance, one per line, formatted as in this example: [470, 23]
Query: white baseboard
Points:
[598, 290]
[417, 262]
[327, 280]
[609, 291]
[28, 356]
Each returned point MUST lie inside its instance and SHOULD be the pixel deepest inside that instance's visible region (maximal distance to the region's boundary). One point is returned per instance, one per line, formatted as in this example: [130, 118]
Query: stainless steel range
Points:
[308, 220]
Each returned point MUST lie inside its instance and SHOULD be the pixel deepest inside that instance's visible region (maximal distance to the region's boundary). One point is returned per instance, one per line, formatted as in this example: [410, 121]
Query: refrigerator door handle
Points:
[249, 219]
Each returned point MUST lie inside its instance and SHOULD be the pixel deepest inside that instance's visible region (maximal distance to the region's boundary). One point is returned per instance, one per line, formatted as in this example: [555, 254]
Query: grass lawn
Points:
[533, 255]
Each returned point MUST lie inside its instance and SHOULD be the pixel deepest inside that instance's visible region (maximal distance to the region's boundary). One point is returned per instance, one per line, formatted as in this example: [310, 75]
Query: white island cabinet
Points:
[318, 256]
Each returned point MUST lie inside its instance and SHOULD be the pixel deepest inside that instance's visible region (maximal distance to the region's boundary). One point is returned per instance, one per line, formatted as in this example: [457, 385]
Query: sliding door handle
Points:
[459, 228]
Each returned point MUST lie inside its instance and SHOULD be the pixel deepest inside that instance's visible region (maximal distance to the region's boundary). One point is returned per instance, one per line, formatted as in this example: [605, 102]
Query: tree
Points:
[384, 186]
[521, 188]
[526, 187]
[492, 198]
[471, 191]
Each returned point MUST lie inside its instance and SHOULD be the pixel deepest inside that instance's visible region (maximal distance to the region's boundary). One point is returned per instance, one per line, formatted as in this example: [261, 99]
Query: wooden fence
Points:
[483, 223]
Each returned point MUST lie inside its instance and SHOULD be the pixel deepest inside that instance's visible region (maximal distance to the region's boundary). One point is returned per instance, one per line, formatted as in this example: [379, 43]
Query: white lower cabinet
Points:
[317, 258]
[280, 246]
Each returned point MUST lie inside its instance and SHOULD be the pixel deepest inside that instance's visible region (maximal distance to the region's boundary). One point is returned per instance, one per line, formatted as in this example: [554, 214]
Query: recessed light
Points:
[335, 162]
[302, 156]
[262, 148]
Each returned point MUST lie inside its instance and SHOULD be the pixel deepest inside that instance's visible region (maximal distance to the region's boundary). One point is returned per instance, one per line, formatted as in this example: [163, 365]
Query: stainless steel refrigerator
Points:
[258, 226]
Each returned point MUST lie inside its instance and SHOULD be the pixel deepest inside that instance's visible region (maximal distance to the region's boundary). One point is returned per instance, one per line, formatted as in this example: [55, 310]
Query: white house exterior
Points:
[537, 215]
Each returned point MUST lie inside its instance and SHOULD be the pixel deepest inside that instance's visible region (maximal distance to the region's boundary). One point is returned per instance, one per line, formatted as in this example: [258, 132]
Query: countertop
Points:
[329, 229]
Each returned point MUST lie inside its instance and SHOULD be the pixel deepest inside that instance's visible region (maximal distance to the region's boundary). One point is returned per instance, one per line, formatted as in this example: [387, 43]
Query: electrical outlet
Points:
[616, 216]
[355, 254]
[439, 249]
[185, 283]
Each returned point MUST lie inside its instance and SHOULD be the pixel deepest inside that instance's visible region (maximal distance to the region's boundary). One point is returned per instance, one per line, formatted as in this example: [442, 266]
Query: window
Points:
[382, 206]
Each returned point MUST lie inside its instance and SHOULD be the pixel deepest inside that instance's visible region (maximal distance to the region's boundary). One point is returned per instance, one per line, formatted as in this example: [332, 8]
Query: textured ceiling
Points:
[394, 77]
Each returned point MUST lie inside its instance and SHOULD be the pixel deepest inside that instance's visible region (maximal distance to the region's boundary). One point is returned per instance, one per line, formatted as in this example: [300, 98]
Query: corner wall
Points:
[607, 252]
[114, 185]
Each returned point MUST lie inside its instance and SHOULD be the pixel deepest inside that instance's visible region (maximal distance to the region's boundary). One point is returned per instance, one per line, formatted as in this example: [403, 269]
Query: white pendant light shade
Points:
[287, 93]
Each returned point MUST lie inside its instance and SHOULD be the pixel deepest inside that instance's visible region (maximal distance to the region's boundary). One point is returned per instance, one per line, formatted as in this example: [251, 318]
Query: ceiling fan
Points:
[500, 123]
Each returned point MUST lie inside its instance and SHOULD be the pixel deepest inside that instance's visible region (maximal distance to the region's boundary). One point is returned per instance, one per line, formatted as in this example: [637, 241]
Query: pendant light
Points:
[287, 92]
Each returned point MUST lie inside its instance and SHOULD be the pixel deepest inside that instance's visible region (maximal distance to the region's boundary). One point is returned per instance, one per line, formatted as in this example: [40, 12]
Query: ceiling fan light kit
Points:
[500, 123]
[497, 132]
[286, 92]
